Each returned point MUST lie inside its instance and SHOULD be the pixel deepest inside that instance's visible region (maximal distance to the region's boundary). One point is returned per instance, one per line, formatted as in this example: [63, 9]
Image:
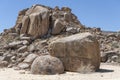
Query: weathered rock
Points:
[25, 42]
[19, 20]
[13, 58]
[32, 48]
[118, 36]
[23, 65]
[72, 30]
[21, 15]
[10, 66]
[37, 23]
[25, 54]
[45, 23]
[2, 58]
[1, 52]
[47, 65]
[7, 57]
[58, 27]
[14, 44]
[26, 38]
[104, 57]
[66, 9]
[67, 17]
[20, 59]
[17, 68]
[30, 58]
[109, 56]
[22, 49]
[36, 9]
[13, 34]
[111, 35]
[115, 58]
[25, 25]
[3, 64]
[77, 52]
[39, 20]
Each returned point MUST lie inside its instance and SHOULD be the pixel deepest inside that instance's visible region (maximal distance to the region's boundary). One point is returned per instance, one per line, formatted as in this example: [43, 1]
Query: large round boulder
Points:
[47, 65]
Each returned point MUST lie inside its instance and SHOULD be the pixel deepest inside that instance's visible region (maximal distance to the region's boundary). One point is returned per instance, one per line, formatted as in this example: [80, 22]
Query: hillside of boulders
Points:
[48, 40]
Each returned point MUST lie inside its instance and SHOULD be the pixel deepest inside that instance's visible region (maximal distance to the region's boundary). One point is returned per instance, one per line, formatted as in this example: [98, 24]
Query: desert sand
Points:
[107, 72]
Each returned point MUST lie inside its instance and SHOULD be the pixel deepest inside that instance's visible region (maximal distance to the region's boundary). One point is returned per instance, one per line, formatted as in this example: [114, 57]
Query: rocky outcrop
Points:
[41, 30]
[35, 22]
[47, 65]
[78, 52]
[39, 21]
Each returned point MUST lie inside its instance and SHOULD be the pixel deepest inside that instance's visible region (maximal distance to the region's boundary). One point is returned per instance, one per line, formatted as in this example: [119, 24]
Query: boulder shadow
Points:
[104, 70]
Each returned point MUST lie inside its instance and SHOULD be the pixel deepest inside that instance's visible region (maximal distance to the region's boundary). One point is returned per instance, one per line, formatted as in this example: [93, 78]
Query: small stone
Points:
[13, 57]
[22, 49]
[13, 61]
[22, 72]
[3, 64]
[25, 42]
[16, 68]
[25, 38]
[72, 30]
[23, 65]
[10, 66]
[25, 54]
[32, 48]
[14, 44]
[1, 58]
[20, 59]
[30, 58]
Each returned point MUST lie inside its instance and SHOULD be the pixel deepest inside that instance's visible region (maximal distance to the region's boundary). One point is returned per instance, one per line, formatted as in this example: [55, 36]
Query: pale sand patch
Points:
[108, 72]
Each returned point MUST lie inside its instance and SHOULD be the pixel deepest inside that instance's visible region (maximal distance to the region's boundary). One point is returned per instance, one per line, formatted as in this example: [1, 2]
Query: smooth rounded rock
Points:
[47, 65]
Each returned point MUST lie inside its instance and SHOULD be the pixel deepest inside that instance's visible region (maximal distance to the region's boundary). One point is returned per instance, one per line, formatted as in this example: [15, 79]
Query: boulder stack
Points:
[39, 21]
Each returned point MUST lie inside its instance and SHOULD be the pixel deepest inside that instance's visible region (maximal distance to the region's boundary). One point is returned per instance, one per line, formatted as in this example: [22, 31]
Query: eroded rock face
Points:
[36, 23]
[47, 65]
[78, 52]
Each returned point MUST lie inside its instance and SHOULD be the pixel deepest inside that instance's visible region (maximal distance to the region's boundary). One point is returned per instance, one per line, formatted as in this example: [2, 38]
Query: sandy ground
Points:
[107, 72]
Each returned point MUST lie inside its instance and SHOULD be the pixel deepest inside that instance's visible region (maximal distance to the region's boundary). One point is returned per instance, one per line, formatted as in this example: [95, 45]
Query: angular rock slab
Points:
[79, 53]
[58, 26]
[36, 22]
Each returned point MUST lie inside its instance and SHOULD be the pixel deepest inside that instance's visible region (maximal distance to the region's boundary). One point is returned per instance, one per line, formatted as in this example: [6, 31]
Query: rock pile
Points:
[44, 41]
[28, 41]
[42, 21]
[109, 46]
